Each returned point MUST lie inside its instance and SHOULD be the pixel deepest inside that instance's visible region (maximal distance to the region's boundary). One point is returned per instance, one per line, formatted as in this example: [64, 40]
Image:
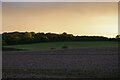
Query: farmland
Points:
[79, 59]
[59, 45]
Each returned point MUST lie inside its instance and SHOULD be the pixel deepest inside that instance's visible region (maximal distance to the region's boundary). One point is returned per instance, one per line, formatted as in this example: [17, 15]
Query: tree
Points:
[118, 37]
[31, 37]
[27, 37]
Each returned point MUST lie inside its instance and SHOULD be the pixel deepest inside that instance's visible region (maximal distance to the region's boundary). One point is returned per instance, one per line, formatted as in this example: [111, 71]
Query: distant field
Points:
[62, 45]
[67, 60]
[68, 63]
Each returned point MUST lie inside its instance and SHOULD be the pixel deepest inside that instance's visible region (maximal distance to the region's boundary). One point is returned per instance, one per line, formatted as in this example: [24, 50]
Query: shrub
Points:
[64, 47]
[52, 48]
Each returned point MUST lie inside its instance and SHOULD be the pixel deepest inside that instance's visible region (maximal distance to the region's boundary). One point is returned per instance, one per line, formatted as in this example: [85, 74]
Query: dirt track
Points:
[92, 62]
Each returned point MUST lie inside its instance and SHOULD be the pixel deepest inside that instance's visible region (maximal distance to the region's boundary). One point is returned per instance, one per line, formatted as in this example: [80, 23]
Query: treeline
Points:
[13, 38]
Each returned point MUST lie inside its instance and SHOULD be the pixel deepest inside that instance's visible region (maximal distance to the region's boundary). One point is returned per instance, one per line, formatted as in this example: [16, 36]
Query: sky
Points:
[78, 18]
[0, 17]
[60, 0]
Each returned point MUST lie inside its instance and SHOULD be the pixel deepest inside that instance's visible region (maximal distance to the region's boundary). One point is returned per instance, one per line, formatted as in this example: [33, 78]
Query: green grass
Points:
[59, 45]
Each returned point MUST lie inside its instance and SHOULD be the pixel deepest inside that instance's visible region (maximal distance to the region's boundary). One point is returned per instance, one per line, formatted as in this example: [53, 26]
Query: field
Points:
[79, 59]
[59, 45]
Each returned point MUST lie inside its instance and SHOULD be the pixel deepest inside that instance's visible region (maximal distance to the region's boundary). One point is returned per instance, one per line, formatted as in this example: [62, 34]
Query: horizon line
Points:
[57, 33]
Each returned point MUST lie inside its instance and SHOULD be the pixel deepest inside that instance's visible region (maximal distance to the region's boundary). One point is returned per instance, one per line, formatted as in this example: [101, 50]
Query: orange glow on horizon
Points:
[98, 19]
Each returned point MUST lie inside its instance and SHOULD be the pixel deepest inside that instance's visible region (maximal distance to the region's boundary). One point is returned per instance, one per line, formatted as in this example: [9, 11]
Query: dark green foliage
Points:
[64, 47]
[118, 37]
[14, 38]
[52, 48]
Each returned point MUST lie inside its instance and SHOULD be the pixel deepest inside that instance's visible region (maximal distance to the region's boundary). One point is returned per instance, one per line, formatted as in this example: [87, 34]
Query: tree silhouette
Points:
[32, 37]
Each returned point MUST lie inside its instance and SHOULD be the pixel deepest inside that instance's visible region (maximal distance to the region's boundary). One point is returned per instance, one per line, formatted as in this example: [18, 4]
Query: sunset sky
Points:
[78, 18]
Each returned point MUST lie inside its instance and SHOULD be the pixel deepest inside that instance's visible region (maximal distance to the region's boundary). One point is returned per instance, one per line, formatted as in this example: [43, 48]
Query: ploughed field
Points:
[86, 62]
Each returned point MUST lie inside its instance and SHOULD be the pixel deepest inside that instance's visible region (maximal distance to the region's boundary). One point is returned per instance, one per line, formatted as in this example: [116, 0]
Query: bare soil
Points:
[82, 63]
